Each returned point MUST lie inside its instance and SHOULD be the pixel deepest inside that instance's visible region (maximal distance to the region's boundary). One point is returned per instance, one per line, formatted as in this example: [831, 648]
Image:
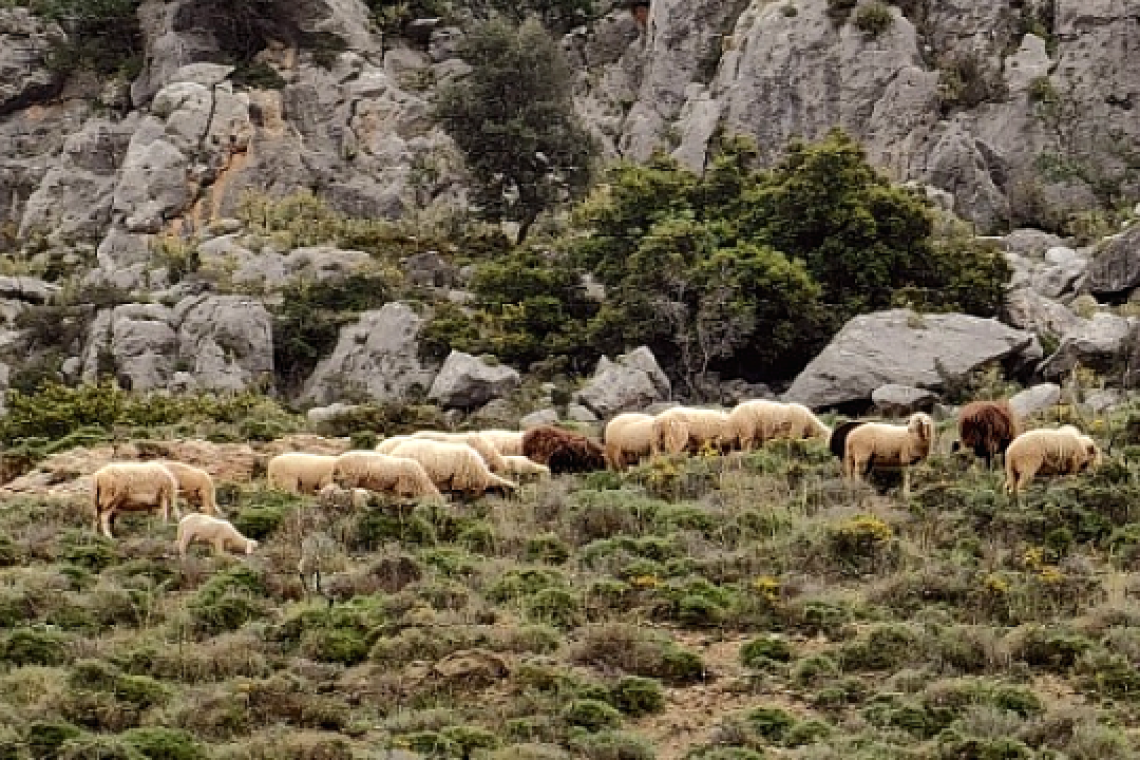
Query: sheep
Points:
[562, 450]
[1060, 451]
[756, 422]
[879, 445]
[520, 466]
[837, 441]
[484, 447]
[691, 429]
[299, 472]
[383, 473]
[195, 484]
[220, 534]
[508, 442]
[132, 487]
[987, 427]
[453, 466]
[385, 446]
[628, 438]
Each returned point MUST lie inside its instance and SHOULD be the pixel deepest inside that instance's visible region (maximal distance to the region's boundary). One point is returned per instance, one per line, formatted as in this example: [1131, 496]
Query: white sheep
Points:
[508, 442]
[194, 485]
[628, 438]
[491, 456]
[298, 472]
[754, 423]
[875, 445]
[1061, 451]
[688, 428]
[522, 466]
[133, 487]
[385, 446]
[382, 473]
[220, 534]
[453, 466]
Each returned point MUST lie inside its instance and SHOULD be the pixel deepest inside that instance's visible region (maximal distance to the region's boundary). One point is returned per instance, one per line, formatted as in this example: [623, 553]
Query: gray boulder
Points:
[377, 357]
[225, 342]
[143, 344]
[900, 400]
[1035, 399]
[1099, 343]
[1064, 268]
[322, 415]
[1116, 268]
[632, 381]
[579, 413]
[905, 348]
[25, 42]
[1026, 309]
[27, 289]
[467, 382]
[539, 419]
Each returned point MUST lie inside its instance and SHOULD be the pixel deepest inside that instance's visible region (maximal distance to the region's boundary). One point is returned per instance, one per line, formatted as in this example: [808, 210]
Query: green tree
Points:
[513, 118]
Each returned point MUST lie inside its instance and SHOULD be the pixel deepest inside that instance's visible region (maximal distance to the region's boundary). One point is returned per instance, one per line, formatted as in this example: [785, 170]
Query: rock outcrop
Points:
[467, 382]
[632, 381]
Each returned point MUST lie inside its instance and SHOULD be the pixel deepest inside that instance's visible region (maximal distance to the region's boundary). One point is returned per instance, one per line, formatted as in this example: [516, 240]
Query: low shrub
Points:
[636, 696]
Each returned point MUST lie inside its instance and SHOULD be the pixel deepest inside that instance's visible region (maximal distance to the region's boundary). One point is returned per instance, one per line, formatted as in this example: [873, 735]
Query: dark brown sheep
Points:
[987, 427]
[837, 441]
[563, 450]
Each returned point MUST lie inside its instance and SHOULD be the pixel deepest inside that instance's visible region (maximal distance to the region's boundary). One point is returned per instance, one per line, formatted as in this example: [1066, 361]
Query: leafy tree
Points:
[513, 118]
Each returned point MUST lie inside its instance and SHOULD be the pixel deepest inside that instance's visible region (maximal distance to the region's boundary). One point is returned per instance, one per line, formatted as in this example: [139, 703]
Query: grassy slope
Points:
[710, 606]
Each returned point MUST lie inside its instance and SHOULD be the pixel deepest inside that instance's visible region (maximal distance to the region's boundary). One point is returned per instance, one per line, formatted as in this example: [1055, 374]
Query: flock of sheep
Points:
[427, 464]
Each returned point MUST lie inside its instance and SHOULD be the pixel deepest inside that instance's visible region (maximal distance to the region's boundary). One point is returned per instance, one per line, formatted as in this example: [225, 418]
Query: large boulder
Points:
[377, 357]
[225, 342]
[467, 382]
[1035, 399]
[1116, 269]
[900, 400]
[1100, 343]
[901, 347]
[1026, 309]
[143, 345]
[632, 381]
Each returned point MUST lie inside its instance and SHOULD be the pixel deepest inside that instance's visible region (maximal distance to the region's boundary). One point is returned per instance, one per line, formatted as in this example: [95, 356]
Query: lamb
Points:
[628, 438]
[880, 445]
[691, 429]
[453, 466]
[383, 473]
[299, 472]
[132, 487]
[758, 421]
[986, 427]
[508, 442]
[1060, 451]
[486, 449]
[520, 466]
[563, 451]
[220, 534]
[195, 484]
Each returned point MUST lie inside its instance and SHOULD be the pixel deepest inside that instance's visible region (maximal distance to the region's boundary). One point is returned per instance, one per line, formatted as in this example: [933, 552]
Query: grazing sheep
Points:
[486, 449]
[628, 438]
[385, 446]
[384, 474]
[563, 451]
[508, 442]
[194, 484]
[754, 423]
[453, 466]
[298, 472]
[1060, 451]
[132, 487]
[690, 429]
[986, 427]
[220, 534]
[876, 445]
[521, 466]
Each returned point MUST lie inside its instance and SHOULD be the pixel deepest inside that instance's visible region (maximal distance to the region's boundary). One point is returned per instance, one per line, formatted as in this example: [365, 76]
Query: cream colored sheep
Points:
[220, 534]
[754, 423]
[508, 442]
[875, 445]
[521, 466]
[384, 474]
[628, 438]
[132, 487]
[385, 446]
[453, 466]
[688, 428]
[1061, 451]
[491, 456]
[298, 472]
[195, 485]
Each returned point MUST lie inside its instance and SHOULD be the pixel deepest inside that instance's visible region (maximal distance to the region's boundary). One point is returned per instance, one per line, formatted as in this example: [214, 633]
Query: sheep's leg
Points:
[106, 523]
[219, 545]
[906, 483]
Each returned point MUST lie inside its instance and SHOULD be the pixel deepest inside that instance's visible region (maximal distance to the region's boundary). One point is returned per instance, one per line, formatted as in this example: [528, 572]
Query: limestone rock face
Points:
[1116, 269]
[900, 400]
[903, 348]
[632, 381]
[1100, 343]
[377, 357]
[467, 382]
[25, 42]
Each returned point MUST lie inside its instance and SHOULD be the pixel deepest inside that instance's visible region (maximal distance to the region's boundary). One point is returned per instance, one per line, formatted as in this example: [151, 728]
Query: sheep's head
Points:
[922, 426]
[1093, 455]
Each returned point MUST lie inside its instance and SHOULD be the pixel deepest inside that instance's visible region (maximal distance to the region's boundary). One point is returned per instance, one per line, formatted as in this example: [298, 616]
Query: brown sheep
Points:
[563, 450]
[986, 427]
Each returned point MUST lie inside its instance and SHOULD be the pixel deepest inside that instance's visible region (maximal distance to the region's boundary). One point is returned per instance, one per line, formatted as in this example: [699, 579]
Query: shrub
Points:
[227, 601]
[770, 723]
[471, 739]
[764, 652]
[636, 696]
[555, 606]
[591, 714]
[613, 745]
[548, 548]
[25, 646]
[44, 738]
[873, 19]
[164, 744]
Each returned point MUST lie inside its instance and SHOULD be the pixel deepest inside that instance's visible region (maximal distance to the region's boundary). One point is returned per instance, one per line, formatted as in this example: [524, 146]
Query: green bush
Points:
[548, 548]
[873, 19]
[44, 738]
[227, 601]
[558, 607]
[771, 724]
[764, 652]
[636, 696]
[159, 743]
[25, 646]
[591, 714]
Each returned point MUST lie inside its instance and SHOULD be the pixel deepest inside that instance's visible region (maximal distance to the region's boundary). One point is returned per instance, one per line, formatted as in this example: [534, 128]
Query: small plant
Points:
[771, 724]
[591, 714]
[873, 19]
[764, 653]
[636, 696]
